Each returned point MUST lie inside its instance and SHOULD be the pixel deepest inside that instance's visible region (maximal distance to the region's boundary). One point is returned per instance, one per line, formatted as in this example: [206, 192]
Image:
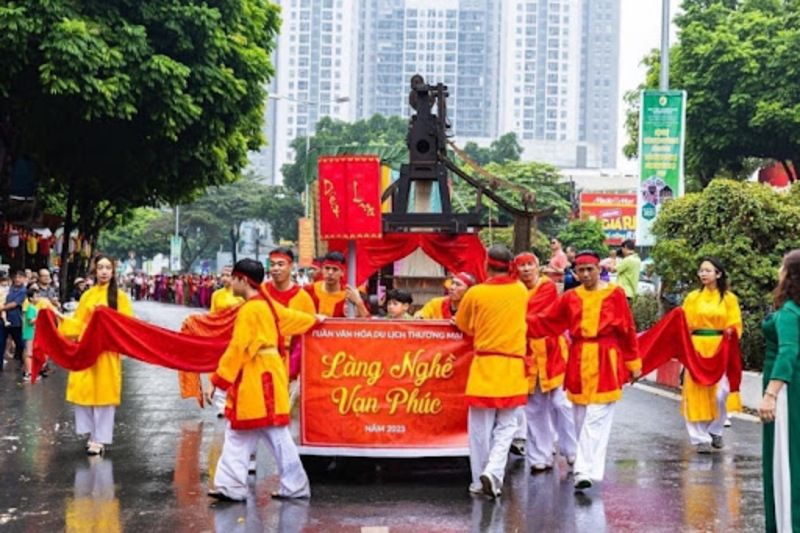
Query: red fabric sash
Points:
[447, 312]
[109, 331]
[670, 338]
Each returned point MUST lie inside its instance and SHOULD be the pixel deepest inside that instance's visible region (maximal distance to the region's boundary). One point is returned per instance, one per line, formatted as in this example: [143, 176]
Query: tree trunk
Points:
[234, 242]
[68, 223]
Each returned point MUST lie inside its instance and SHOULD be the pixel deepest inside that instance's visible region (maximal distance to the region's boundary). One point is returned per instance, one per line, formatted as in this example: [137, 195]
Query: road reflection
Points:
[93, 507]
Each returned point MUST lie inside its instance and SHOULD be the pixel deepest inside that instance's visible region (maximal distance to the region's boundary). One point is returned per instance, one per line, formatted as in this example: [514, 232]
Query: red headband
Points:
[250, 281]
[335, 264]
[497, 264]
[465, 278]
[281, 255]
[526, 257]
[587, 259]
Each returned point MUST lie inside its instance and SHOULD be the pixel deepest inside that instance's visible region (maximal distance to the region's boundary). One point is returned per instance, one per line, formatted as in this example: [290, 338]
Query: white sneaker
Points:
[582, 482]
[95, 448]
[490, 485]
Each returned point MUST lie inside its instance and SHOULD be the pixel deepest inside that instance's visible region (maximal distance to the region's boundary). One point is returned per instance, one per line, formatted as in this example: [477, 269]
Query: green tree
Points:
[383, 136]
[585, 235]
[137, 233]
[748, 226]
[281, 208]
[540, 180]
[737, 62]
[502, 150]
[123, 104]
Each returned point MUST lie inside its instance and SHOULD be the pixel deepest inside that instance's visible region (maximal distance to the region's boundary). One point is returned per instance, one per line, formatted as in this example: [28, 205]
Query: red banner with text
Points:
[350, 197]
[384, 384]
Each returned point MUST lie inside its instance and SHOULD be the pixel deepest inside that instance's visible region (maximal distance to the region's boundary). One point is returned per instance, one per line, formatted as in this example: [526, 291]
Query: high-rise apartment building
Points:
[450, 41]
[314, 74]
[599, 98]
[544, 69]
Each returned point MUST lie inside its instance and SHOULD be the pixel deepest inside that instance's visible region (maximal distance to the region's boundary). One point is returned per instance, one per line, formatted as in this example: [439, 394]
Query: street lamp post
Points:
[663, 84]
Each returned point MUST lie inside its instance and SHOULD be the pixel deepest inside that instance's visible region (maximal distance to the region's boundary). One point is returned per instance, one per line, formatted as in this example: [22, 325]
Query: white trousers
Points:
[593, 425]
[97, 421]
[781, 472]
[490, 434]
[548, 414]
[231, 475]
[700, 432]
[522, 424]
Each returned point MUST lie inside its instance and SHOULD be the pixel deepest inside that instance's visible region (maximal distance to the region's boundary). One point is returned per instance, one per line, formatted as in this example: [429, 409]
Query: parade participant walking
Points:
[604, 350]
[289, 294]
[446, 307]
[96, 391]
[223, 298]
[780, 407]
[258, 406]
[493, 314]
[711, 312]
[329, 296]
[548, 408]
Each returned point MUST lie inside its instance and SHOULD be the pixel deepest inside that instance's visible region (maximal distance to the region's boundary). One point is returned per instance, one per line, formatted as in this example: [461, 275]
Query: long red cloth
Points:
[109, 331]
[671, 338]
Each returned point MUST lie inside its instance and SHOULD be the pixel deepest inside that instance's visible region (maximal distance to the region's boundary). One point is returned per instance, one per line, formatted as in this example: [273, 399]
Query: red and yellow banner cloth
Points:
[108, 330]
[205, 338]
[671, 338]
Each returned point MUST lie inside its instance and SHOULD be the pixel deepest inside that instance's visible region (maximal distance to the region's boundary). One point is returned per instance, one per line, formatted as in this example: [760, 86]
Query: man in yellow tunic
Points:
[223, 298]
[603, 355]
[96, 391]
[710, 313]
[329, 295]
[252, 370]
[493, 314]
[446, 307]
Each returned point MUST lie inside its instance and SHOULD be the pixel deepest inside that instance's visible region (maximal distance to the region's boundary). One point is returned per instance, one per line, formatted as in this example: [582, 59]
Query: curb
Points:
[672, 395]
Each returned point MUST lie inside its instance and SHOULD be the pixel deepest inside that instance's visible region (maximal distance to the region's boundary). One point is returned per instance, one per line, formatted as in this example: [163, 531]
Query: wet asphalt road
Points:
[155, 475]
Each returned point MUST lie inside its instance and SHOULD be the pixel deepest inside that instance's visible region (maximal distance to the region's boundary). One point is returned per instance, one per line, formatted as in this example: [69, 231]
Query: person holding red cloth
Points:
[329, 295]
[446, 307]
[548, 412]
[493, 314]
[604, 353]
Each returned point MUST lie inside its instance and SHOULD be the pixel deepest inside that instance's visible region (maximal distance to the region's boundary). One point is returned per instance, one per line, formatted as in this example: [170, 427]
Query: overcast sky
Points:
[640, 32]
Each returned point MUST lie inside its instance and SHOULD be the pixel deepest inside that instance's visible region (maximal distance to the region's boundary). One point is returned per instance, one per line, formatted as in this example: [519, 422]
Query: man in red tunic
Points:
[604, 353]
[548, 412]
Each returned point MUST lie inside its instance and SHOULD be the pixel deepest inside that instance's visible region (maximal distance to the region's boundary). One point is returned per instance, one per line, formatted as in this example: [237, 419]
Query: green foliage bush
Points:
[646, 311]
[749, 227]
[585, 235]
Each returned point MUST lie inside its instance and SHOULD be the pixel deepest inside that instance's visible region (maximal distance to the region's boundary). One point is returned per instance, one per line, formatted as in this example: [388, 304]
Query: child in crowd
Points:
[29, 328]
[397, 304]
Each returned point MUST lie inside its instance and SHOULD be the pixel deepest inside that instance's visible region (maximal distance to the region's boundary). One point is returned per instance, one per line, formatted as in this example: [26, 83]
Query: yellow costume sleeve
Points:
[734, 313]
[428, 311]
[245, 329]
[124, 305]
[303, 302]
[465, 318]
[294, 322]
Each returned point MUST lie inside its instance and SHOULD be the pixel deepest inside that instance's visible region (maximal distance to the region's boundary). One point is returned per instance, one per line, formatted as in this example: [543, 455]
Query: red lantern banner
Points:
[350, 197]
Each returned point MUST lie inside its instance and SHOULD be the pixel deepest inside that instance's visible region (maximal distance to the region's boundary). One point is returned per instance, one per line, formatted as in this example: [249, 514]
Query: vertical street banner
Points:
[350, 197]
[175, 244]
[384, 388]
[662, 133]
[305, 241]
[616, 211]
